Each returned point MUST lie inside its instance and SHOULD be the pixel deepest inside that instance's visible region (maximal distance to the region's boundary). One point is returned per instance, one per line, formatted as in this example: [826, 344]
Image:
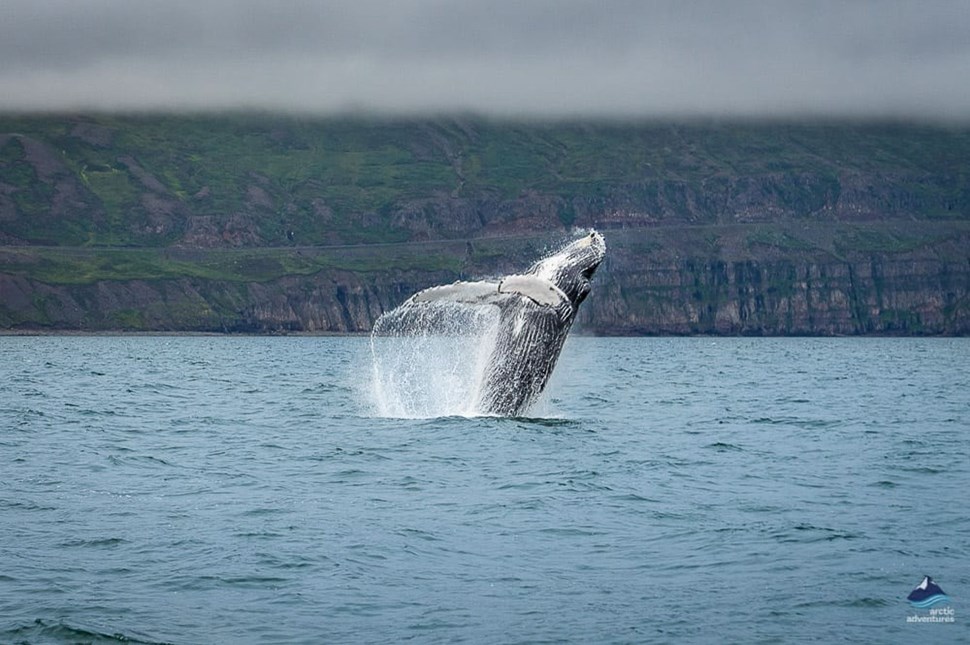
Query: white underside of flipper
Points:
[467, 292]
[538, 290]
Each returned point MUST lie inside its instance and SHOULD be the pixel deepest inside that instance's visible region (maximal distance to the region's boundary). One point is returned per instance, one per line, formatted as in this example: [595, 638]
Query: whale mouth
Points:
[571, 269]
[593, 251]
[580, 257]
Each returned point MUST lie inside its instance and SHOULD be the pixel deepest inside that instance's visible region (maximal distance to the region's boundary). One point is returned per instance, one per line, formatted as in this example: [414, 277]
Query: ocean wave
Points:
[44, 631]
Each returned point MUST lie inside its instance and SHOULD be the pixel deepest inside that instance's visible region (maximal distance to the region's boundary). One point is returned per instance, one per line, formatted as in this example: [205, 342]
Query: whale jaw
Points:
[571, 269]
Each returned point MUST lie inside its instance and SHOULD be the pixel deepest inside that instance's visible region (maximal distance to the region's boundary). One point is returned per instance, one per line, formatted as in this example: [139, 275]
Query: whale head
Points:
[572, 268]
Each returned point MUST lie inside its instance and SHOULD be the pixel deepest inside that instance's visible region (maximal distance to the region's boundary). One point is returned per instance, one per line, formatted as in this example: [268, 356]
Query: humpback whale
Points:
[535, 312]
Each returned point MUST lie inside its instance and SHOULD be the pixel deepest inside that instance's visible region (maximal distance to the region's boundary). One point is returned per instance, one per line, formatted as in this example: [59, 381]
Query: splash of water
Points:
[429, 360]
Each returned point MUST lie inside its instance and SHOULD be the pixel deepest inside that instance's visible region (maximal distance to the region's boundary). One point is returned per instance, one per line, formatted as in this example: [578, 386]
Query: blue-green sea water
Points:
[242, 490]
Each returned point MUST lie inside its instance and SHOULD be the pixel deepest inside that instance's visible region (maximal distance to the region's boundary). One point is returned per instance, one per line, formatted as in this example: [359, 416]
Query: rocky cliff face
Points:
[334, 302]
[727, 291]
[915, 293]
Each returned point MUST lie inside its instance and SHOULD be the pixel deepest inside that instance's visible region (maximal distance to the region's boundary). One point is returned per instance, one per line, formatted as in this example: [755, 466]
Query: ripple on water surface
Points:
[242, 490]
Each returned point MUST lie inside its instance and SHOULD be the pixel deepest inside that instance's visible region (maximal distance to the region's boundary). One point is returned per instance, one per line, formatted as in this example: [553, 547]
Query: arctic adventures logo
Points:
[927, 595]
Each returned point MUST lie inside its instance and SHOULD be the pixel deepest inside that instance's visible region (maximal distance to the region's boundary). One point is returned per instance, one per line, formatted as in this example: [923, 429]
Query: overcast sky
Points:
[506, 57]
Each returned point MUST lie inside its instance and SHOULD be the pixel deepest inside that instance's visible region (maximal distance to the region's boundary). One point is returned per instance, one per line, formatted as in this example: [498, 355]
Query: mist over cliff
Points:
[267, 223]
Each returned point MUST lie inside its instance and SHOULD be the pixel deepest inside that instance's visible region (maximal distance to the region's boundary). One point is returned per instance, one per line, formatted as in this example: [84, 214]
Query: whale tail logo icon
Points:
[926, 594]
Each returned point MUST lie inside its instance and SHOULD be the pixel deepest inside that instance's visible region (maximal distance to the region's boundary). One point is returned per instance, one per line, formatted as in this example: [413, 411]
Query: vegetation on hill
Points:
[92, 203]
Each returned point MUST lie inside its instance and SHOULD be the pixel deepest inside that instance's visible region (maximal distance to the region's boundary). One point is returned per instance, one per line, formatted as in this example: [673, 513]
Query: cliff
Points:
[266, 224]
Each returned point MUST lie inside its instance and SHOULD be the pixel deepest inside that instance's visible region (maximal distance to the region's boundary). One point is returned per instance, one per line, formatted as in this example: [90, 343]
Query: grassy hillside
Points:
[153, 180]
[838, 227]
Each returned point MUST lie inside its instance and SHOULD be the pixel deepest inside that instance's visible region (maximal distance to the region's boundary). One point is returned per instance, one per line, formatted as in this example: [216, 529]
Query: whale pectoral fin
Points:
[538, 290]
[539, 293]
[467, 292]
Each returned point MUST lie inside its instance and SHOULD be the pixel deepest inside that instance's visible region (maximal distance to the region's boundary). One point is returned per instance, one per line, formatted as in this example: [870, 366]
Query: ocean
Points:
[218, 489]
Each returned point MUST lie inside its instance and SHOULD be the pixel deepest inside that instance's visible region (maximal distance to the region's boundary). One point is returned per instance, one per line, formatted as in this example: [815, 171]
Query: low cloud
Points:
[533, 58]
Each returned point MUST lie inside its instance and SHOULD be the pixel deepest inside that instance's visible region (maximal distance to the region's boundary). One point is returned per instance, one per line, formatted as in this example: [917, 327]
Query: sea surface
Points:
[245, 490]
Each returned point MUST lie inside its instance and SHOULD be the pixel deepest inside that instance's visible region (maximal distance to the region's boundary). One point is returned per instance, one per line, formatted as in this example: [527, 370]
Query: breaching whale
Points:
[535, 312]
